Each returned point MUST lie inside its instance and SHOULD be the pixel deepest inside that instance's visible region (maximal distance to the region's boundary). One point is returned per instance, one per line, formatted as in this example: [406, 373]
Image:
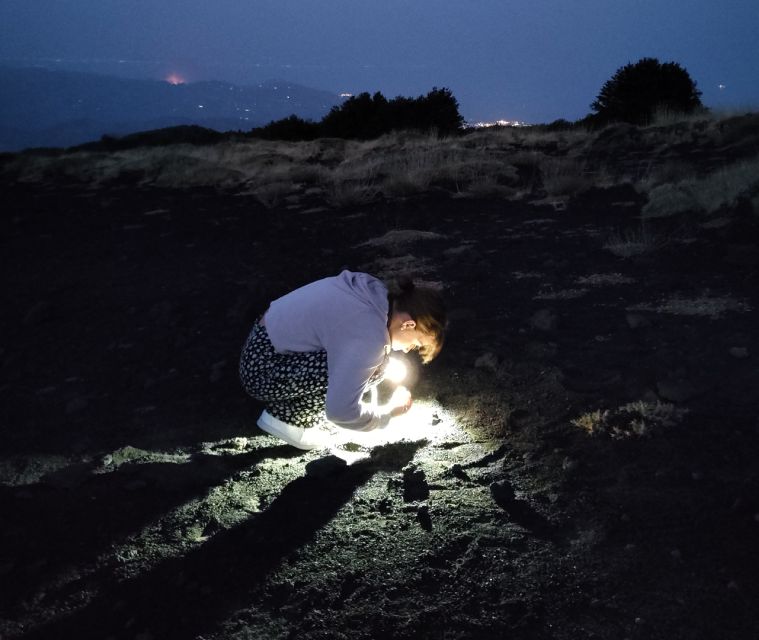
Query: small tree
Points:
[366, 116]
[636, 91]
[292, 128]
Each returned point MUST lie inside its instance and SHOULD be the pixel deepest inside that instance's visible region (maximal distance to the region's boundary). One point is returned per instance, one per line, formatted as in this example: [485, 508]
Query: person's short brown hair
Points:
[425, 305]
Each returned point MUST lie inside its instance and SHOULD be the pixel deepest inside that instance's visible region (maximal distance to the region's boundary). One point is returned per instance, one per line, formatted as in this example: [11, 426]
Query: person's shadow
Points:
[187, 596]
[73, 515]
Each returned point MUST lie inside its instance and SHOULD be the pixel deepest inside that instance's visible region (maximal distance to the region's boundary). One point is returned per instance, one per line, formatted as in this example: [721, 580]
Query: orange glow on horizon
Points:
[175, 78]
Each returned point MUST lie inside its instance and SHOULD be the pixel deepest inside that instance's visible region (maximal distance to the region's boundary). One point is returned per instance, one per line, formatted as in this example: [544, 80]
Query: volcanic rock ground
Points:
[536, 500]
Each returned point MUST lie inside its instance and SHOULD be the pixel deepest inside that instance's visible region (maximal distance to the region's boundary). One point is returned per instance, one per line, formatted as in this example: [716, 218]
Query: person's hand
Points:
[400, 401]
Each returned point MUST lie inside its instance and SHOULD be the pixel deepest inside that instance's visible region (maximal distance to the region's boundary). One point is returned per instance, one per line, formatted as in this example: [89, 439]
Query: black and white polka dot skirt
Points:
[292, 385]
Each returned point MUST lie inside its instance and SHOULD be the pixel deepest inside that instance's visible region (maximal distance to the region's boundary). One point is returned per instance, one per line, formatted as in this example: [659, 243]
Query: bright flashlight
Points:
[426, 420]
[395, 371]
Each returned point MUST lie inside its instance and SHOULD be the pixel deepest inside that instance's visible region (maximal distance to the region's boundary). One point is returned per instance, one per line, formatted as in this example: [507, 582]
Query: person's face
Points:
[404, 336]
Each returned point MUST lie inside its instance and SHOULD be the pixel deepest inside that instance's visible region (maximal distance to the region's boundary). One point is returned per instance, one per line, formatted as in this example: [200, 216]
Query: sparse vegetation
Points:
[633, 420]
[564, 176]
[292, 128]
[351, 193]
[633, 242]
[401, 237]
[706, 304]
[708, 195]
[603, 279]
[272, 193]
[539, 164]
[182, 134]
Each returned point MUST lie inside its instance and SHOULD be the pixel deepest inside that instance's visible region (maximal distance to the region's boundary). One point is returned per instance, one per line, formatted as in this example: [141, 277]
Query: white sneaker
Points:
[296, 436]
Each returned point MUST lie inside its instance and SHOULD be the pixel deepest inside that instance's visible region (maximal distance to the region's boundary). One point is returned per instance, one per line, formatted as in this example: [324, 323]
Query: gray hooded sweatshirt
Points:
[346, 316]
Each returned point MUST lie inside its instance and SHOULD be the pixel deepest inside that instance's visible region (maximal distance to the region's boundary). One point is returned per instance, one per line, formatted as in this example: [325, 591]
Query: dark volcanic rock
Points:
[503, 493]
[544, 320]
[676, 390]
[326, 466]
[423, 517]
[415, 485]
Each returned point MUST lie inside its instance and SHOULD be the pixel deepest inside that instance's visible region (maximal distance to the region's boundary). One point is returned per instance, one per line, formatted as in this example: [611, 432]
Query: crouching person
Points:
[318, 349]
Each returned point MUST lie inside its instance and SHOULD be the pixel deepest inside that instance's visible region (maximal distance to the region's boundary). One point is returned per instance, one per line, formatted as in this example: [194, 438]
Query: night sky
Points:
[534, 61]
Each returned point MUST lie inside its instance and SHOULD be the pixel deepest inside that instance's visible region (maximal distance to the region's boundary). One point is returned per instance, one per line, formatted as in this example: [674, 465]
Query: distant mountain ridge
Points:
[41, 107]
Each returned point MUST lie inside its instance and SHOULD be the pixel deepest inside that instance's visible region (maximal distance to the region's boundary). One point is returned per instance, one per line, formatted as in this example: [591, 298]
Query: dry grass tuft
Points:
[667, 117]
[561, 294]
[704, 305]
[634, 420]
[351, 193]
[668, 200]
[564, 176]
[706, 196]
[401, 237]
[633, 242]
[603, 279]
[271, 194]
[486, 186]
[391, 267]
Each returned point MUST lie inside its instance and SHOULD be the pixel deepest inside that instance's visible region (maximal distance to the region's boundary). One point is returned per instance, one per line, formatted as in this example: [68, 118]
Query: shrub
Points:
[633, 420]
[706, 305]
[668, 200]
[558, 125]
[361, 116]
[721, 188]
[352, 193]
[272, 193]
[636, 92]
[634, 242]
[292, 128]
[564, 176]
[182, 134]
[366, 117]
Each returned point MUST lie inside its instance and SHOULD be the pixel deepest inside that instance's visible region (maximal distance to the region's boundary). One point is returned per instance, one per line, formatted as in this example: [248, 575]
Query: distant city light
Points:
[175, 78]
[497, 123]
[346, 95]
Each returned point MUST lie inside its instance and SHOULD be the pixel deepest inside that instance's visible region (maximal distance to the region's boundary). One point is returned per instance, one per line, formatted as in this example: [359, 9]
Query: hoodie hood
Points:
[366, 288]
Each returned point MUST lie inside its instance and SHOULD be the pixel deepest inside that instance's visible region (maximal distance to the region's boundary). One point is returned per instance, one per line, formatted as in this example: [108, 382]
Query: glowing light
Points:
[175, 79]
[426, 420]
[497, 123]
[395, 371]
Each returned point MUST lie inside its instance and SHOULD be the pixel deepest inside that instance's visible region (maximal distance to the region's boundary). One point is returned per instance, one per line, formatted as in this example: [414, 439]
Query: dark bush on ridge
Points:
[636, 91]
[293, 129]
[362, 116]
[365, 116]
[558, 125]
[183, 134]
